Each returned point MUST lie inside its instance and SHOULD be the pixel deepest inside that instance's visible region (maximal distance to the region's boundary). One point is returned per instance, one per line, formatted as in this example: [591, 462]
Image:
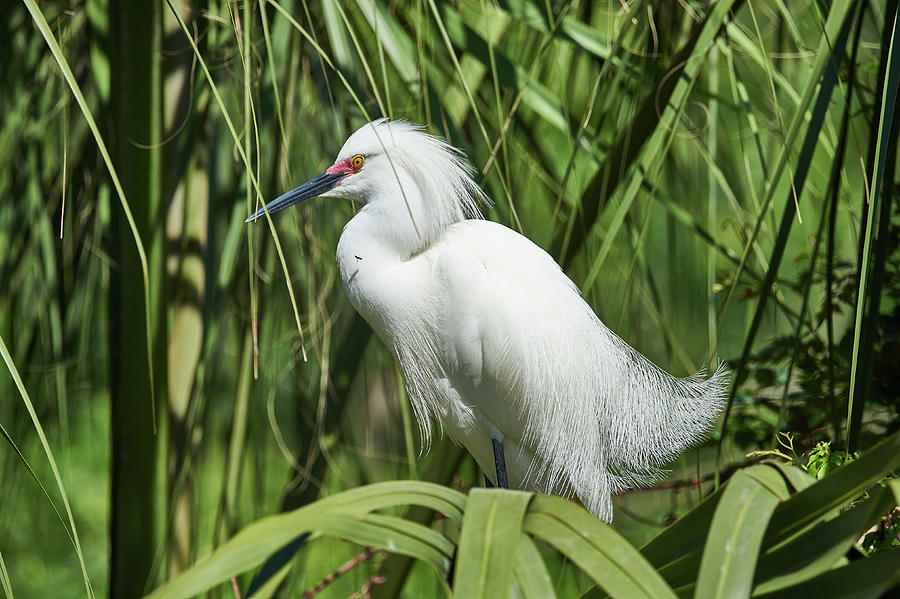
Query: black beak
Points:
[310, 189]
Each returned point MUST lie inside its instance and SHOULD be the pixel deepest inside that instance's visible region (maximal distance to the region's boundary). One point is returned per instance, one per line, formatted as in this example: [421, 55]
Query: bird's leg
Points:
[500, 463]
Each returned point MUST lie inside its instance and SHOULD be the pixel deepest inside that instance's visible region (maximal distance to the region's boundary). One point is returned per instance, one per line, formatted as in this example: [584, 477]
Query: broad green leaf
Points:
[770, 478]
[489, 540]
[391, 533]
[736, 534]
[337, 36]
[395, 40]
[819, 549]
[534, 95]
[676, 551]
[530, 572]
[894, 485]
[346, 515]
[393, 493]
[866, 578]
[796, 477]
[570, 29]
[414, 530]
[595, 547]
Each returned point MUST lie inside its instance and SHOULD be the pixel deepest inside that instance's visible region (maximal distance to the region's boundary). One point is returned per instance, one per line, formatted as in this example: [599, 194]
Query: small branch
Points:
[365, 556]
[366, 591]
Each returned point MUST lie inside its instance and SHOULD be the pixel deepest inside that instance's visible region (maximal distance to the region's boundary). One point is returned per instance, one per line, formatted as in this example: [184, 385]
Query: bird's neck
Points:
[397, 224]
[380, 272]
[364, 239]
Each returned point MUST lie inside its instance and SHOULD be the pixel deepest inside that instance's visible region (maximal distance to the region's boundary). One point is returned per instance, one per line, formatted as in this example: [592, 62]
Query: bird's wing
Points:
[499, 299]
[528, 354]
[521, 349]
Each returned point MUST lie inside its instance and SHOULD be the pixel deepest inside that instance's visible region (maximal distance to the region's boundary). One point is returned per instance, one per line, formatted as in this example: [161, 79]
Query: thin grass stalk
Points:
[712, 215]
[234, 459]
[885, 146]
[8, 438]
[272, 67]
[798, 332]
[832, 200]
[653, 140]
[450, 52]
[29, 406]
[5, 584]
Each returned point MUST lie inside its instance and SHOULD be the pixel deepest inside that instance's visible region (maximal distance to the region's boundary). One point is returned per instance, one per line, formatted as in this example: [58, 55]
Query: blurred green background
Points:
[701, 170]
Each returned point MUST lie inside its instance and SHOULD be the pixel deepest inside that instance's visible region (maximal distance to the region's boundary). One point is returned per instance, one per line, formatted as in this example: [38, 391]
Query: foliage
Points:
[721, 548]
[719, 178]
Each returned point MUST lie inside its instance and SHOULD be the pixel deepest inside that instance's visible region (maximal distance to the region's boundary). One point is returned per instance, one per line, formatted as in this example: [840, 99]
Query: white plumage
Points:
[491, 337]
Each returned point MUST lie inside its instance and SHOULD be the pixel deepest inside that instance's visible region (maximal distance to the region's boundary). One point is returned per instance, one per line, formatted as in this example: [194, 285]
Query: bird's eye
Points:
[357, 161]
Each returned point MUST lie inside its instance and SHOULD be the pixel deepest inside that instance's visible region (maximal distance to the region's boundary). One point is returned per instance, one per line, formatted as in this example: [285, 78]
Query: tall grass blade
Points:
[247, 164]
[5, 584]
[34, 475]
[73, 530]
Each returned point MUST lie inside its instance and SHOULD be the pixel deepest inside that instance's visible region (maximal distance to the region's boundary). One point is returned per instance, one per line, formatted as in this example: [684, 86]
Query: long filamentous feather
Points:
[588, 414]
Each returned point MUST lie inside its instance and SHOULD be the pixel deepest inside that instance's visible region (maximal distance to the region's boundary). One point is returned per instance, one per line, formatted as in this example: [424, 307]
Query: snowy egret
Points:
[494, 342]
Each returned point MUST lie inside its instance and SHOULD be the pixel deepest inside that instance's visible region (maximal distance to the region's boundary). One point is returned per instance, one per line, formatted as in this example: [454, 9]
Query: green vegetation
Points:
[184, 394]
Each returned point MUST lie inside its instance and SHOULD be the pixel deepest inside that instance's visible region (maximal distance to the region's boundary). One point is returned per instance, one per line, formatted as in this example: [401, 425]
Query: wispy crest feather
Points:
[451, 198]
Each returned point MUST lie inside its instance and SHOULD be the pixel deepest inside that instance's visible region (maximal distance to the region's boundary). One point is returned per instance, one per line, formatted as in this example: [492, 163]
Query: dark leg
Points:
[500, 463]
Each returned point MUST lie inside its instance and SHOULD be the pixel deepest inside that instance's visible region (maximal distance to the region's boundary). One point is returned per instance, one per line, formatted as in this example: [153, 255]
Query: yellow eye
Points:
[357, 161]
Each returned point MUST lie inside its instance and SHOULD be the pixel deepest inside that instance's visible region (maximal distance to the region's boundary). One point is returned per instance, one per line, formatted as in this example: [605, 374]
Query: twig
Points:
[366, 591]
[365, 556]
[687, 483]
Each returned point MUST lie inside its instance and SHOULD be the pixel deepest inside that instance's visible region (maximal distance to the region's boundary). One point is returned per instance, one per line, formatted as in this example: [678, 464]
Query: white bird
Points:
[494, 342]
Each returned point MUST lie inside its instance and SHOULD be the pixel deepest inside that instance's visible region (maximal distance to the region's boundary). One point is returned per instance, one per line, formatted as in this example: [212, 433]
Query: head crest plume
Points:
[439, 170]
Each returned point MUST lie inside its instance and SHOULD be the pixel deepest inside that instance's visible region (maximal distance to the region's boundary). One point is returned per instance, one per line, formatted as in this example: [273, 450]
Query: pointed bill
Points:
[312, 188]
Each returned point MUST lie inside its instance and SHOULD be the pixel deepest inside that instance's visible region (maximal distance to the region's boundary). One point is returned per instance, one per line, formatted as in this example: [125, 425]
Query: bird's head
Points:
[398, 170]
